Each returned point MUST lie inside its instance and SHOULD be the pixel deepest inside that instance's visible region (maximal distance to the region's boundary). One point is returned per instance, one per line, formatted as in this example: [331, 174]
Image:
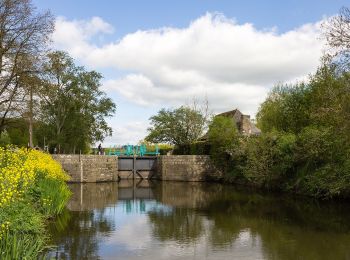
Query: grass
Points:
[32, 190]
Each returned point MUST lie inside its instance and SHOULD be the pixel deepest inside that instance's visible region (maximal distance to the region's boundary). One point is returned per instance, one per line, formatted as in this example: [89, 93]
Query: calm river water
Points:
[174, 220]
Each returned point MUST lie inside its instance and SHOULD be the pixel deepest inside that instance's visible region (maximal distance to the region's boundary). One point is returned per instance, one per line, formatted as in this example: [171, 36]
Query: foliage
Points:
[222, 134]
[337, 33]
[32, 188]
[285, 109]
[269, 159]
[224, 141]
[24, 34]
[196, 148]
[73, 108]
[305, 145]
[51, 195]
[4, 139]
[163, 149]
[16, 246]
[183, 125]
[46, 91]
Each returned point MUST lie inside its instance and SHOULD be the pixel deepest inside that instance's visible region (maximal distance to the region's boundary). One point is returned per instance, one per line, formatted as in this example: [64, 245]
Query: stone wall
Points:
[187, 168]
[99, 168]
[89, 168]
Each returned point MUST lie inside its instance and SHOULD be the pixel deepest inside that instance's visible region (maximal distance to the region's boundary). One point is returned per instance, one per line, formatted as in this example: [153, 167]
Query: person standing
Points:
[99, 149]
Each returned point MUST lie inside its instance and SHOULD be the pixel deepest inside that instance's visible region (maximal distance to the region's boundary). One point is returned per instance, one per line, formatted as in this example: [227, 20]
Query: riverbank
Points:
[32, 190]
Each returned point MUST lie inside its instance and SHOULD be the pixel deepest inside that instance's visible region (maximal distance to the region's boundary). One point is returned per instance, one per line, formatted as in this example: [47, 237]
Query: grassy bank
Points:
[32, 190]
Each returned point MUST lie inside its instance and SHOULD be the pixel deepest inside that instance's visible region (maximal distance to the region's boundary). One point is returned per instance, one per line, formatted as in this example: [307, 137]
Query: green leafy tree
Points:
[286, 109]
[73, 108]
[24, 33]
[306, 144]
[223, 134]
[180, 126]
[225, 150]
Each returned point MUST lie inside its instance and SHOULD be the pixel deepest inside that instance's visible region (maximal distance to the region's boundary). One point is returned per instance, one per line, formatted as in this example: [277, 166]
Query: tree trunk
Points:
[31, 117]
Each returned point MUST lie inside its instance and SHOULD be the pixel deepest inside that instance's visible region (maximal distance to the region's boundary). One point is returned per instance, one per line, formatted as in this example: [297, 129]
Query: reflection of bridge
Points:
[135, 190]
[143, 167]
[88, 196]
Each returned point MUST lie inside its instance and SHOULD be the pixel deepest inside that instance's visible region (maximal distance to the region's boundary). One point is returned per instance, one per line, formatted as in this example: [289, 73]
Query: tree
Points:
[285, 109]
[180, 126]
[337, 34]
[222, 134]
[305, 146]
[223, 138]
[24, 33]
[73, 108]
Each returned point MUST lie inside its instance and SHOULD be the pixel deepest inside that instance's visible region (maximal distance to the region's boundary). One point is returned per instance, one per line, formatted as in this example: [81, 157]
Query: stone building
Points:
[244, 124]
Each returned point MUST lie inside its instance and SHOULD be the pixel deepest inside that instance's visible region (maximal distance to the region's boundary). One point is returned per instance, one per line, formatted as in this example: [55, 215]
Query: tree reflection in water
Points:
[180, 224]
[77, 232]
[284, 227]
[227, 221]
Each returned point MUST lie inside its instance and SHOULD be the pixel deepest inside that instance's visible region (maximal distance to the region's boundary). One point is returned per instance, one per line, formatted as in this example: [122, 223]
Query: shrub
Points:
[5, 139]
[32, 188]
[270, 159]
[197, 148]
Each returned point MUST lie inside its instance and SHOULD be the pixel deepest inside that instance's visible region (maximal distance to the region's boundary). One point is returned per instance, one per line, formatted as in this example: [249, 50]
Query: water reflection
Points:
[173, 220]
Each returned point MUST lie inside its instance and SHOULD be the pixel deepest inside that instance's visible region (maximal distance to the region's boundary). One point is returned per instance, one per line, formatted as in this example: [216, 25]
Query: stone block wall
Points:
[100, 168]
[89, 168]
[187, 168]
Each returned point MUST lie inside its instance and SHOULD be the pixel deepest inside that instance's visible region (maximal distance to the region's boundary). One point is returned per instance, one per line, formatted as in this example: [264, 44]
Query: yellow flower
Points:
[19, 168]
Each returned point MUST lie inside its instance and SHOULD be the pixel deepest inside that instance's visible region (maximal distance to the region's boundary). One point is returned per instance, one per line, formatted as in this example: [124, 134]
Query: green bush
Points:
[197, 148]
[322, 163]
[270, 159]
[5, 139]
[305, 145]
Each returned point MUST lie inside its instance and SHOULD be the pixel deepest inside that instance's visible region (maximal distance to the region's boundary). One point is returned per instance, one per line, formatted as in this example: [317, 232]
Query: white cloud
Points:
[127, 133]
[73, 36]
[233, 64]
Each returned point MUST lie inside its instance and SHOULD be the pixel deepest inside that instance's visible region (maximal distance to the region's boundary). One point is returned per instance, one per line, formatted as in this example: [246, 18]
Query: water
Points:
[174, 220]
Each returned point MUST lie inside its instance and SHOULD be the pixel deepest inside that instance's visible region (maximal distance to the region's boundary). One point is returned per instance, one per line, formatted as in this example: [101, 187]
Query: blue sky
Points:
[132, 15]
[156, 54]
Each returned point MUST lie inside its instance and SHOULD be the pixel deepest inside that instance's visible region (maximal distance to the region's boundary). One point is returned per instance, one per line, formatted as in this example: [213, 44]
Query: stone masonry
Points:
[100, 168]
[187, 168]
[89, 168]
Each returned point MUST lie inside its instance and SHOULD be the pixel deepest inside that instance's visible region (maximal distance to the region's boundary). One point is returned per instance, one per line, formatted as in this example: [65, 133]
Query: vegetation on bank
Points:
[305, 144]
[32, 190]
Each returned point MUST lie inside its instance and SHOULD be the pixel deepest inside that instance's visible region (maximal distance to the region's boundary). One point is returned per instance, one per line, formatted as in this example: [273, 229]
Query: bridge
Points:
[131, 167]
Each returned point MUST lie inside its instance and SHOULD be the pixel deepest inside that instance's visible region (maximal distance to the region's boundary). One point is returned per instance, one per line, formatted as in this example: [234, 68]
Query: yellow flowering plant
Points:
[20, 167]
[32, 189]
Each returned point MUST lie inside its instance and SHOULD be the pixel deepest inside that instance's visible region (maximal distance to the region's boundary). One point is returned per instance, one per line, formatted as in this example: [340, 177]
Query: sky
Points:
[163, 54]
